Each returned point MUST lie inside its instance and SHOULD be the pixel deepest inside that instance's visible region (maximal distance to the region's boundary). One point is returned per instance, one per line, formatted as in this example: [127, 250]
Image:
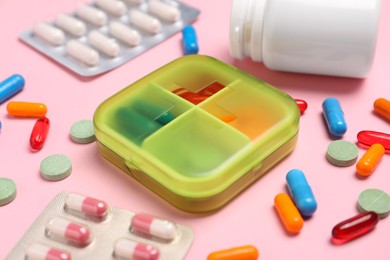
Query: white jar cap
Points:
[246, 28]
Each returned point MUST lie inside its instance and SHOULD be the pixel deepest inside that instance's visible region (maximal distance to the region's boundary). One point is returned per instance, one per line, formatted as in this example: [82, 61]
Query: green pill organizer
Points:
[197, 131]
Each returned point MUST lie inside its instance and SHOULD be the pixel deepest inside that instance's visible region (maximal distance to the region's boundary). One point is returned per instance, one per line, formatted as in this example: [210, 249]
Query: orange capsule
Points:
[238, 253]
[382, 108]
[26, 109]
[367, 164]
[288, 213]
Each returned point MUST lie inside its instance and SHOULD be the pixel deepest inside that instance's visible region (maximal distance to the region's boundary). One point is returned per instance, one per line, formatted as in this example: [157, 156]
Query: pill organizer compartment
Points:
[206, 153]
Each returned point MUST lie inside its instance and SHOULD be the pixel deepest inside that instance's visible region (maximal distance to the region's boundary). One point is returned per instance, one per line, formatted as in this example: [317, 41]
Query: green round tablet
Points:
[342, 153]
[56, 167]
[7, 191]
[374, 200]
[82, 132]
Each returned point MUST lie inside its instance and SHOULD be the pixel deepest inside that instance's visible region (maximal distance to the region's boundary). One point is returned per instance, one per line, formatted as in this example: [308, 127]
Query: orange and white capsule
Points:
[65, 230]
[288, 213]
[369, 161]
[86, 205]
[131, 250]
[26, 109]
[382, 107]
[39, 251]
[156, 227]
[145, 21]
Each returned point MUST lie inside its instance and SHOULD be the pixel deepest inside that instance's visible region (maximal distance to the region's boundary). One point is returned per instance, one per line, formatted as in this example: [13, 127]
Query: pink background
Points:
[251, 217]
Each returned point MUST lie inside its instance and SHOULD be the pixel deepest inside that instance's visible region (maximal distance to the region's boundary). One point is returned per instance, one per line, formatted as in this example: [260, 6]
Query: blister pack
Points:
[74, 226]
[105, 34]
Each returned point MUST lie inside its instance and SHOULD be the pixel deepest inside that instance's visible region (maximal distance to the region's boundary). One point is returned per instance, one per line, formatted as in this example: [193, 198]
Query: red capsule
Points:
[194, 98]
[367, 138]
[302, 105]
[354, 227]
[39, 133]
[211, 89]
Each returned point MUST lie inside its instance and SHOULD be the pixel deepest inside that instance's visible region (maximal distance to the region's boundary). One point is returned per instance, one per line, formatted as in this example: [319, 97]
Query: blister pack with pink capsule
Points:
[75, 226]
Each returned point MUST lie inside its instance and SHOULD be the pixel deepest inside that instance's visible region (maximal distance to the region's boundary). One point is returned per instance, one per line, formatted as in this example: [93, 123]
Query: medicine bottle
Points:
[326, 37]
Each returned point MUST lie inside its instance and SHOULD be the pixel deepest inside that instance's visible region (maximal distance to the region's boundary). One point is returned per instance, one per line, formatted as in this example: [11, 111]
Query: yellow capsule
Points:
[288, 213]
[26, 109]
[367, 164]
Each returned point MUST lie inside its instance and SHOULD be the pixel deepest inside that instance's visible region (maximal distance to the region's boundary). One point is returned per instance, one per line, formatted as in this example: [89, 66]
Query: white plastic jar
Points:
[327, 37]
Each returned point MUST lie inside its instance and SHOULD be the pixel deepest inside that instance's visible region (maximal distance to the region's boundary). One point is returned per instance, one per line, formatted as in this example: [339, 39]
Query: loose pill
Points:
[104, 44]
[7, 191]
[112, 6]
[288, 213]
[163, 10]
[369, 161]
[91, 14]
[190, 41]
[334, 117]
[49, 33]
[39, 133]
[82, 132]
[374, 200]
[382, 108]
[145, 21]
[11, 86]
[39, 251]
[237, 253]
[156, 227]
[368, 138]
[132, 250]
[62, 229]
[302, 105]
[342, 153]
[70, 24]
[26, 109]
[301, 192]
[56, 167]
[82, 52]
[86, 205]
[354, 227]
[124, 33]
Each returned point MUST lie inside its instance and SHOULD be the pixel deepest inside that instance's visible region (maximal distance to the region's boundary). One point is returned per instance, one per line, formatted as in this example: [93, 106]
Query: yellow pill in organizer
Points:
[124, 33]
[70, 24]
[103, 43]
[370, 160]
[288, 213]
[49, 33]
[112, 6]
[163, 10]
[91, 14]
[82, 52]
[26, 109]
[145, 21]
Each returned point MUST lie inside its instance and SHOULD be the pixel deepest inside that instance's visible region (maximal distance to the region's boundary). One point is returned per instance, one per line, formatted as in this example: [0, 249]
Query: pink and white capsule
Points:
[60, 228]
[145, 21]
[156, 227]
[43, 252]
[131, 250]
[86, 205]
[165, 11]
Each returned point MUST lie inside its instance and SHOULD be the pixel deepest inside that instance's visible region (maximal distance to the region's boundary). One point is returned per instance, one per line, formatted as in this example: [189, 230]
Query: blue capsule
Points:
[301, 193]
[190, 42]
[10, 86]
[334, 117]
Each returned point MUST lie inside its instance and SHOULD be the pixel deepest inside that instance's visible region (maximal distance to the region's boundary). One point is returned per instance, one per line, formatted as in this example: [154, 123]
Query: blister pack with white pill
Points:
[105, 34]
[75, 226]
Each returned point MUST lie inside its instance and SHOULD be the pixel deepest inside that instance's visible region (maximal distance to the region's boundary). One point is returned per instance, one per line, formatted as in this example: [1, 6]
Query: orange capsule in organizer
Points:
[288, 213]
[26, 109]
[382, 107]
[369, 161]
[237, 253]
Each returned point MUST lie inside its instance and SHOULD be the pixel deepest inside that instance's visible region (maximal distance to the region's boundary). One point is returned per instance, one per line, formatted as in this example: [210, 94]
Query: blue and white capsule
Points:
[301, 192]
[11, 86]
[334, 117]
[190, 41]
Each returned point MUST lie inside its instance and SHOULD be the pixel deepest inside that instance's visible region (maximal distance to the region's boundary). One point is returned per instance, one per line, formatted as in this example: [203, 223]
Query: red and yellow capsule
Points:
[369, 161]
[26, 109]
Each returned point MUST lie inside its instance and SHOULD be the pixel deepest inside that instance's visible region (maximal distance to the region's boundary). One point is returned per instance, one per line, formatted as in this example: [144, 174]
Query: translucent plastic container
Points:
[197, 157]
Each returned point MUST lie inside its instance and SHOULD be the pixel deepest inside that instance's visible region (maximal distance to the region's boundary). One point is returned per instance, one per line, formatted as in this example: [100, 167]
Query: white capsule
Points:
[149, 225]
[82, 52]
[164, 11]
[91, 14]
[63, 229]
[115, 7]
[38, 251]
[137, 2]
[70, 24]
[104, 44]
[131, 250]
[49, 33]
[86, 205]
[124, 33]
[145, 21]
